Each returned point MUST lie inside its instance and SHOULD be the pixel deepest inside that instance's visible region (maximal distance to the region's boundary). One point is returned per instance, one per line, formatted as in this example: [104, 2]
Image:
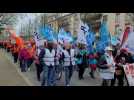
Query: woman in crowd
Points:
[15, 53]
[119, 72]
[31, 50]
[107, 67]
[93, 61]
[23, 57]
[81, 60]
[39, 67]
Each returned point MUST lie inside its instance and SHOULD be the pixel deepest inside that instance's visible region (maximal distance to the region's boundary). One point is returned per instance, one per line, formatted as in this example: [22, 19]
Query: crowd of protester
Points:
[54, 58]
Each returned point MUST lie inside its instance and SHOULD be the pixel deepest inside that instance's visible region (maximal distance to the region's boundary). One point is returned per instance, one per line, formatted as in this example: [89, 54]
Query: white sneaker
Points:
[29, 69]
[68, 85]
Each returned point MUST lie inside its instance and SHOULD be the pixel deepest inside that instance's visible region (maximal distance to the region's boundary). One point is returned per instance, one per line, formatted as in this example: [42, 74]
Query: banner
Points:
[129, 71]
[125, 35]
[129, 43]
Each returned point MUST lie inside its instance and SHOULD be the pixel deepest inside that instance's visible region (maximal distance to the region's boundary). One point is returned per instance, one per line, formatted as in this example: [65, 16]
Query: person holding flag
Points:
[81, 51]
[69, 59]
[81, 60]
[38, 62]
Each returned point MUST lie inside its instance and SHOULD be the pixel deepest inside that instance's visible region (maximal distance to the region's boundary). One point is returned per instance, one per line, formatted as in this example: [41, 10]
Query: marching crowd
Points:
[55, 57]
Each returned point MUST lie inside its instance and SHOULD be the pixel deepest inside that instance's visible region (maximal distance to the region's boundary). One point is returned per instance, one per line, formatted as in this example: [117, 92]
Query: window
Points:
[105, 18]
[117, 18]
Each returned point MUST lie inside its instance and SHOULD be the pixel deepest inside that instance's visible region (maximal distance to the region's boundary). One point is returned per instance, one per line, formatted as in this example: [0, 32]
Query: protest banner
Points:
[129, 72]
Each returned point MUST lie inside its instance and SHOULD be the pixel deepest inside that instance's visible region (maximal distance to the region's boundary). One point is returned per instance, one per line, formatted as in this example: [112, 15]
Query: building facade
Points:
[71, 21]
[119, 20]
[68, 21]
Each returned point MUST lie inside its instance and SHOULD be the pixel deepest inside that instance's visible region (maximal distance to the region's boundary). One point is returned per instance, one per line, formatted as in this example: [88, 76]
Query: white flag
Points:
[81, 36]
[37, 38]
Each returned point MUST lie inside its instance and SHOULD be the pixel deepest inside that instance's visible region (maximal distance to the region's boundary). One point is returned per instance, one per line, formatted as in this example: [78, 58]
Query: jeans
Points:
[81, 70]
[45, 75]
[68, 74]
[48, 76]
[8, 50]
[120, 80]
[58, 69]
[51, 76]
[23, 65]
[15, 57]
[29, 62]
[39, 69]
[106, 82]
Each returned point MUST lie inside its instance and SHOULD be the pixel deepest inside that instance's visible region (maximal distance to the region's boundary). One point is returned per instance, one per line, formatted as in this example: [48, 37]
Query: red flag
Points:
[19, 42]
[125, 35]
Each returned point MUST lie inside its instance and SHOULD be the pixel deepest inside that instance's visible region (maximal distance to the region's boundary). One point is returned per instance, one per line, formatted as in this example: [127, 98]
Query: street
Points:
[14, 77]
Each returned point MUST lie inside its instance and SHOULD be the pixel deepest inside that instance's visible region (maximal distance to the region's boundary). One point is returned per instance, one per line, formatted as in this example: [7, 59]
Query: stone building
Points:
[69, 21]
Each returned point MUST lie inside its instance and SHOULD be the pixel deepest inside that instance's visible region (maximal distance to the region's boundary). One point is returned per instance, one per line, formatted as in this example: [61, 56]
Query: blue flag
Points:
[64, 36]
[90, 38]
[104, 38]
[100, 47]
[104, 33]
[47, 32]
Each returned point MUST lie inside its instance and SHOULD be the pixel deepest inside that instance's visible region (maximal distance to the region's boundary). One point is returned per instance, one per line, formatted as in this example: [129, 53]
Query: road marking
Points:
[19, 72]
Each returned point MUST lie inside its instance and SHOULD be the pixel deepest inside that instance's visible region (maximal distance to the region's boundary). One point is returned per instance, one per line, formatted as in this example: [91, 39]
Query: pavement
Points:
[8, 74]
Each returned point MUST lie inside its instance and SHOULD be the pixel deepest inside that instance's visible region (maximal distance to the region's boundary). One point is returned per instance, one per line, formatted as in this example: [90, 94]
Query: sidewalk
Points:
[8, 74]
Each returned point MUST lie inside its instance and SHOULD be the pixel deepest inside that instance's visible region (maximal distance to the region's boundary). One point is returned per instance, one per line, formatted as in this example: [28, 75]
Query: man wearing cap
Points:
[107, 69]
